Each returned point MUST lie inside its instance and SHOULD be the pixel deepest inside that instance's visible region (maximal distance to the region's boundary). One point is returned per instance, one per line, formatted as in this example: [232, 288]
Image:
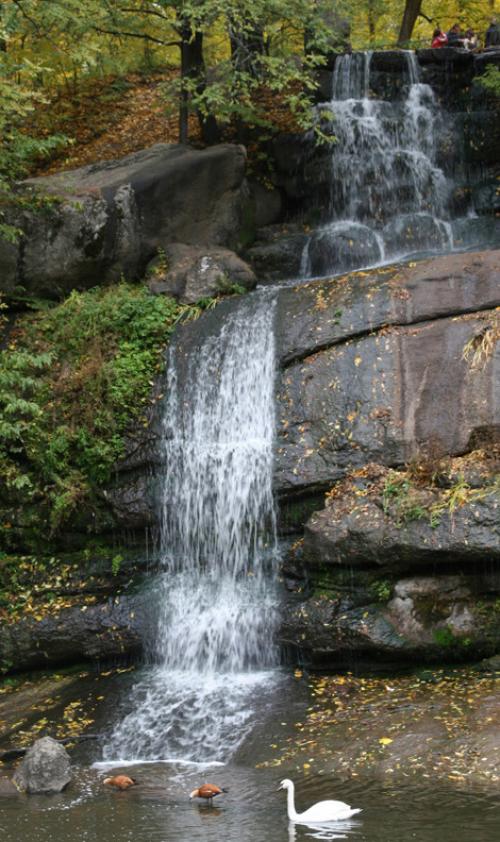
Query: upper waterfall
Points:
[218, 603]
[389, 193]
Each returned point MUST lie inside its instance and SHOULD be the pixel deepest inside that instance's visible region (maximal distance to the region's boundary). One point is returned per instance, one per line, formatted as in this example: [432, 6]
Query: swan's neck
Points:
[292, 813]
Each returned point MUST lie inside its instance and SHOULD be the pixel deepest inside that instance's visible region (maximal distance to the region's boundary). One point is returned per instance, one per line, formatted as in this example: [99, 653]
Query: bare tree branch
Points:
[144, 35]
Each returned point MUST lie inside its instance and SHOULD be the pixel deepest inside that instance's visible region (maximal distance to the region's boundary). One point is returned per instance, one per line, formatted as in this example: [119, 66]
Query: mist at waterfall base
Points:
[390, 196]
[214, 650]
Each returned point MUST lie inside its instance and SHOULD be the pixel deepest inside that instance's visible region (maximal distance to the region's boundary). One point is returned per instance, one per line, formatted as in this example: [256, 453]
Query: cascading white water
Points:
[218, 599]
[388, 195]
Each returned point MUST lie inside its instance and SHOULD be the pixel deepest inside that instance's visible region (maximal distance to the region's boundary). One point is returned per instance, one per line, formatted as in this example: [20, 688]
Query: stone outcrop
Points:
[376, 367]
[359, 532]
[46, 768]
[190, 273]
[110, 629]
[398, 585]
[102, 221]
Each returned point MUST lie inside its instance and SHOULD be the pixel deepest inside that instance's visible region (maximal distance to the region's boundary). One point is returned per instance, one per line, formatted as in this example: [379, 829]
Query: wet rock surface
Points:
[46, 768]
[112, 629]
[345, 245]
[430, 726]
[317, 314]
[383, 368]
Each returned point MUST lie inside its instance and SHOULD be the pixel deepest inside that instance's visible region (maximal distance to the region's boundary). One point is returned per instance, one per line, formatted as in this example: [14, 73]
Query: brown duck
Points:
[120, 781]
[207, 791]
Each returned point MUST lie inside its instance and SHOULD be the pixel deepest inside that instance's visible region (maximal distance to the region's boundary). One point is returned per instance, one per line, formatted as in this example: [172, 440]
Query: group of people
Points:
[468, 40]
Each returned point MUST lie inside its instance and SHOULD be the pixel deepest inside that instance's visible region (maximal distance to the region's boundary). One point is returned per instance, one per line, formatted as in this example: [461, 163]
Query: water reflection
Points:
[208, 811]
[329, 830]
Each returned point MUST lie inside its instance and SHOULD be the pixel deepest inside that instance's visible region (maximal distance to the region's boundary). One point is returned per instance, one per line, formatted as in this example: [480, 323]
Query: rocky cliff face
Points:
[375, 369]
[390, 399]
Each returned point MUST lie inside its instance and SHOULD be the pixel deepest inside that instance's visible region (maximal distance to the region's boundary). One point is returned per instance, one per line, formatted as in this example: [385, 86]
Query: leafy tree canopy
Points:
[226, 53]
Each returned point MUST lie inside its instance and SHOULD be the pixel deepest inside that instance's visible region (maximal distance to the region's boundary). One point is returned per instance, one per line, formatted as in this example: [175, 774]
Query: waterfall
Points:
[218, 595]
[389, 197]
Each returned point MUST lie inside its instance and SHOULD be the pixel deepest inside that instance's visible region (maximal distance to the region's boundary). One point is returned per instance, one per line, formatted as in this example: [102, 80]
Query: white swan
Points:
[323, 811]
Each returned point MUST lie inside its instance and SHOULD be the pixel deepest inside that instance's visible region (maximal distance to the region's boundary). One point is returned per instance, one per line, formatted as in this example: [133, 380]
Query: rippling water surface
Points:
[159, 811]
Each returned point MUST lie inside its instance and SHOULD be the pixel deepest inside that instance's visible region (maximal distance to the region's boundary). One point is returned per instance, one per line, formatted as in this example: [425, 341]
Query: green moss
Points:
[362, 587]
[381, 590]
[400, 499]
[73, 378]
[456, 645]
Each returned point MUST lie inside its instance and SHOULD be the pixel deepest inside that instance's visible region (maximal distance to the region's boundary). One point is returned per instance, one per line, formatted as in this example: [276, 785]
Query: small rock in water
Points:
[46, 768]
[490, 664]
[7, 788]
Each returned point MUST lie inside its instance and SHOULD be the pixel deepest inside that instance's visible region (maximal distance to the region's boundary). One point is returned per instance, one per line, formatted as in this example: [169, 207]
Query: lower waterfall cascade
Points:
[214, 646]
[390, 196]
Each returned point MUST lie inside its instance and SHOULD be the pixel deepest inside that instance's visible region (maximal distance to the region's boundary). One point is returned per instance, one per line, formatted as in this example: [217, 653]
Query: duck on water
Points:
[207, 791]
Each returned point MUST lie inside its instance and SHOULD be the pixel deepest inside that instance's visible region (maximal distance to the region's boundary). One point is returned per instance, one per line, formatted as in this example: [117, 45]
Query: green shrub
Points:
[73, 378]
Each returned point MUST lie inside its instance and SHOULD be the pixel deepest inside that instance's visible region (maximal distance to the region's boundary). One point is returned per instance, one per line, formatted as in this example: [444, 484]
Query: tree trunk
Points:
[246, 47]
[193, 67]
[410, 15]
[371, 20]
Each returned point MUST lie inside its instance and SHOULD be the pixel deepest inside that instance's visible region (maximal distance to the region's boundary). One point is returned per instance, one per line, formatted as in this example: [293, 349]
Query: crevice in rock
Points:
[289, 361]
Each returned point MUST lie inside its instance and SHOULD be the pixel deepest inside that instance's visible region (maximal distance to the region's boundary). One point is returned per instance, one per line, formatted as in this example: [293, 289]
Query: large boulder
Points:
[190, 273]
[278, 252]
[102, 221]
[402, 565]
[46, 768]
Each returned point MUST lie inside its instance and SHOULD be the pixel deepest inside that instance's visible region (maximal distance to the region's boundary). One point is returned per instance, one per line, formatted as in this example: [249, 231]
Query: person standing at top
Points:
[492, 37]
[455, 38]
[439, 38]
[471, 41]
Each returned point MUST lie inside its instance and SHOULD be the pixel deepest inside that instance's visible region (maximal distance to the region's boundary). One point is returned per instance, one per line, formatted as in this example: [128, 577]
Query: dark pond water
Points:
[159, 809]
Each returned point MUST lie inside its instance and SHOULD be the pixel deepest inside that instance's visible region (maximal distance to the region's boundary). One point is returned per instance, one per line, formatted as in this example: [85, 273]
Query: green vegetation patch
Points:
[490, 80]
[73, 378]
[419, 493]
